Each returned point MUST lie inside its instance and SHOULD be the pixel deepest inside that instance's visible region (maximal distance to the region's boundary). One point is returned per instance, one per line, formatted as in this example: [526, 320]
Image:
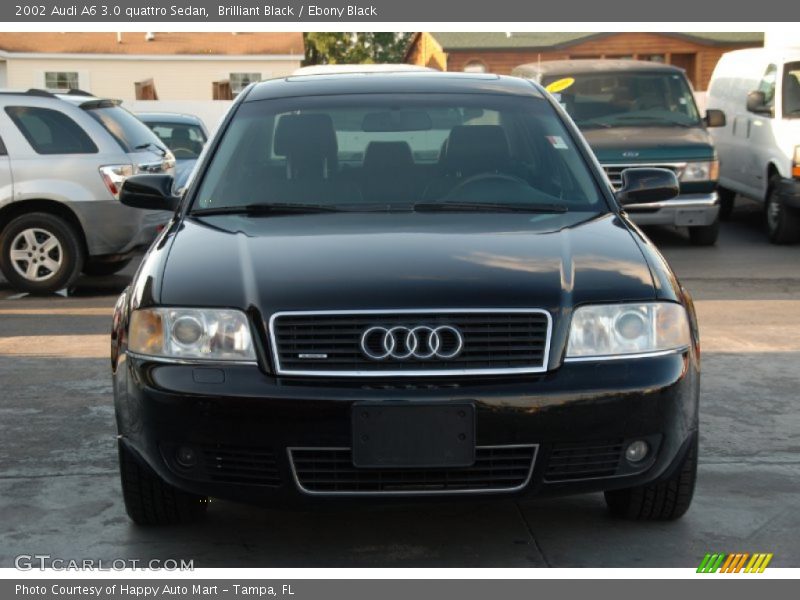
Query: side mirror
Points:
[757, 103]
[152, 192]
[715, 118]
[642, 186]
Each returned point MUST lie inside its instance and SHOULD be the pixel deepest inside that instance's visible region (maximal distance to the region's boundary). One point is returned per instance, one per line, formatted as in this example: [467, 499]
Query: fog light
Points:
[186, 457]
[636, 451]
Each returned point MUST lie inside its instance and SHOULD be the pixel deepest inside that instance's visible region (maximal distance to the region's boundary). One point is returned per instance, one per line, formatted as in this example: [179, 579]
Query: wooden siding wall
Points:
[607, 46]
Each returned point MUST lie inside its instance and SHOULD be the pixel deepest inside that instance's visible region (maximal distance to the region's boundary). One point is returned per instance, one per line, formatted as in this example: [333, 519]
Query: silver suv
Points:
[63, 159]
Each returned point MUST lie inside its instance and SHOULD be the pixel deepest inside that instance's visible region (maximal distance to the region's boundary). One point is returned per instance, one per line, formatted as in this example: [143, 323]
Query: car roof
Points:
[360, 68]
[77, 98]
[168, 117]
[390, 83]
[587, 65]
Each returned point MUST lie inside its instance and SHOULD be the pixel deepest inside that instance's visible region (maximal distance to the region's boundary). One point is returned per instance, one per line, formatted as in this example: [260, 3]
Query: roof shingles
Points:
[546, 39]
[211, 43]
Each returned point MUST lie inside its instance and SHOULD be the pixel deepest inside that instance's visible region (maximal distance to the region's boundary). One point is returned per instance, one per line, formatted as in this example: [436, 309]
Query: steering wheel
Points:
[484, 177]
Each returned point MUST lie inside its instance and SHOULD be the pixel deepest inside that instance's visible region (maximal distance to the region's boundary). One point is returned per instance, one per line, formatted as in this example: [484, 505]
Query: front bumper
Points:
[687, 210]
[246, 425]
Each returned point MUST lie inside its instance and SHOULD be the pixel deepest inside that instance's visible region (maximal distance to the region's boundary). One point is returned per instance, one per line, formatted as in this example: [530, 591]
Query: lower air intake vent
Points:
[228, 464]
[583, 460]
[330, 471]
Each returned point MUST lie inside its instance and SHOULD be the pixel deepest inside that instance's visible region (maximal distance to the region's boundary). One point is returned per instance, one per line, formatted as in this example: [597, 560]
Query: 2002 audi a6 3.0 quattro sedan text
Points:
[402, 286]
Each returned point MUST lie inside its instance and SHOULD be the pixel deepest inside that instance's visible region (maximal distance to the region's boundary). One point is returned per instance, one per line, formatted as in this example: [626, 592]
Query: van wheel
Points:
[783, 222]
[727, 201]
[704, 235]
[665, 500]
[40, 253]
[103, 269]
[149, 500]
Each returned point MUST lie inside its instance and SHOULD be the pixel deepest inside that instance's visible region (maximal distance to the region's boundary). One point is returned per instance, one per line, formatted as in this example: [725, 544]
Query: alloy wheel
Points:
[36, 254]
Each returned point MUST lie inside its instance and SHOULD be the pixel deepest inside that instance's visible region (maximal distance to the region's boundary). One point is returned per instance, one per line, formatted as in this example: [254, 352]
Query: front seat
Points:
[308, 141]
[387, 174]
[471, 150]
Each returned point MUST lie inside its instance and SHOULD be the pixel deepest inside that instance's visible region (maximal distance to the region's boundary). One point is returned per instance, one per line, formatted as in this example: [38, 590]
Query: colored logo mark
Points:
[741, 562]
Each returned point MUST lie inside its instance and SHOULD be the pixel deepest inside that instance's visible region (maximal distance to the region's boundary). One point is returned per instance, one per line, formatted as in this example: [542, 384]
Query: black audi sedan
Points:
[403, 286]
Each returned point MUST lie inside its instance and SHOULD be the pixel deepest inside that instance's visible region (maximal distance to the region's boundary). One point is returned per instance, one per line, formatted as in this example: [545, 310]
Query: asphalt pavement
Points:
[59, 489]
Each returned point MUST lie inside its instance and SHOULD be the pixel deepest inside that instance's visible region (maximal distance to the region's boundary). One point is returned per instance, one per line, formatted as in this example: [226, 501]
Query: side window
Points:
[50, 131]
[767, 85]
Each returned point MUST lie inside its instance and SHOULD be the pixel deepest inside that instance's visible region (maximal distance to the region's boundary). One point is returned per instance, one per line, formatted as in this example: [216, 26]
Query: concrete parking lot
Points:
[59, 491]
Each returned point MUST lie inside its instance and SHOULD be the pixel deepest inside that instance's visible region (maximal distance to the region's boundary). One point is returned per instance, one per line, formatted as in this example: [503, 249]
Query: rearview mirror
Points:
[396, 121]
[757, 103]
[642, 186]
[715, 118]
[152, 192]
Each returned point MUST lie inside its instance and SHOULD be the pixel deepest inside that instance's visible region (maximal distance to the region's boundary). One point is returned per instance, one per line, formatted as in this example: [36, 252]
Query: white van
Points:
[759, 148]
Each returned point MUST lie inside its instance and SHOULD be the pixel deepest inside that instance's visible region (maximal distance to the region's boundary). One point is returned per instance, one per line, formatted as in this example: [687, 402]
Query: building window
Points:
[239, 81]
[656, 58]
[475, 66]
[61, 80]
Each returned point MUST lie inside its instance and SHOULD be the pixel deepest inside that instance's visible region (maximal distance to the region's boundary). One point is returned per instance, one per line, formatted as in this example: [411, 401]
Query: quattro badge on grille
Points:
[420, 342]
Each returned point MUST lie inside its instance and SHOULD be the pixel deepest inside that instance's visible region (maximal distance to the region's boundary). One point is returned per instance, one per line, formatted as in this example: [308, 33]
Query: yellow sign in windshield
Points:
[560, 85]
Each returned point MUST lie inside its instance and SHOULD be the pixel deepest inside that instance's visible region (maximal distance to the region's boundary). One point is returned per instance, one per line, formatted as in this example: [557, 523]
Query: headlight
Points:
[192, 334]
[701, 171]
[606, 331]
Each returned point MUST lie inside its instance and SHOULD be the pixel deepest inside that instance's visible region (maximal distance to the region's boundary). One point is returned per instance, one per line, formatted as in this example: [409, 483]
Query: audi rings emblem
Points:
[403, 343]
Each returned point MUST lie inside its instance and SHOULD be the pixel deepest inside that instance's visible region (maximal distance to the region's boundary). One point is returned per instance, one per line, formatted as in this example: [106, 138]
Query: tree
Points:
[324, 47]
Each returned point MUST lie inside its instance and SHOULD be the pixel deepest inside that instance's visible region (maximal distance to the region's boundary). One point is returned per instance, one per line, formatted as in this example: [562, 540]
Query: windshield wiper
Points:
[283, 208]
[147, 145]
[521, 207]
[656, 120]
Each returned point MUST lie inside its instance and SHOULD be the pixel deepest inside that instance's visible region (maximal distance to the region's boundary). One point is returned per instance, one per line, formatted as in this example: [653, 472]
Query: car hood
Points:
[648, 144]
[341, 261]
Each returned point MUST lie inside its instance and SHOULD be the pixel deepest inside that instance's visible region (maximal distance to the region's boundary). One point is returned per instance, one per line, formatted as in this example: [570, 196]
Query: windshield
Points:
[626, 99]
[395, 152]
[791, 90]
[186, 140]
[130, 132]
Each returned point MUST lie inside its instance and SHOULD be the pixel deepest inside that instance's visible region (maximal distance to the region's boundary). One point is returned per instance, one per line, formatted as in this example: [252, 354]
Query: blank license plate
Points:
[413, 436]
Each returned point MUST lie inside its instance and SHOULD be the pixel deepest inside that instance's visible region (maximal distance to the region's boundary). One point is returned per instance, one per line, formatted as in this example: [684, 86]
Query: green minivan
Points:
[643, 114]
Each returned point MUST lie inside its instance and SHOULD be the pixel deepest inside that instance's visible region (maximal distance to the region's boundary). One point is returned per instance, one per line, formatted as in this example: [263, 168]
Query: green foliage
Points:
[323, 47]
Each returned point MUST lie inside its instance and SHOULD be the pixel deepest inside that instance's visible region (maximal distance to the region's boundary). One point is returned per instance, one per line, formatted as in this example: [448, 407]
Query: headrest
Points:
[384, 156]
[305, 133]
[476, 148]
[180, 135]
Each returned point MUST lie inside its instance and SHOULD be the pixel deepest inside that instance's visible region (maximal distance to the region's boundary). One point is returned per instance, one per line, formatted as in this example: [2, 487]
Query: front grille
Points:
[330, 471]
[329, 343]
[614, 171]
[583, 460]
[229, 464]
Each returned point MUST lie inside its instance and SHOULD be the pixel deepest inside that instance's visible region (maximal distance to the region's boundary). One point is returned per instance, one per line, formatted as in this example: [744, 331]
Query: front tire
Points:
[664, 500]
[704, 235]
[40, 253]
[727, 202]
[149, 500]
[783, 222]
